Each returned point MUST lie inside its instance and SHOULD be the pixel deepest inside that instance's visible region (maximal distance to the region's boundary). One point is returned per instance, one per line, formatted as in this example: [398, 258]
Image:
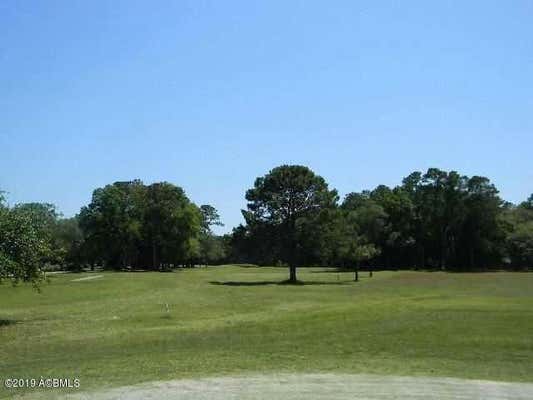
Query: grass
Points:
[126, 328]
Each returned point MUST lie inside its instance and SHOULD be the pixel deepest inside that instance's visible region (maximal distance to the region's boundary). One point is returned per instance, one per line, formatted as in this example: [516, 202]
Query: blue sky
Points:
[210, 95]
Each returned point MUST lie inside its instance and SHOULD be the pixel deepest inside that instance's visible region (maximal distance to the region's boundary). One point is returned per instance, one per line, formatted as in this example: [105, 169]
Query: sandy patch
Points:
[87, 278]
[317, 386]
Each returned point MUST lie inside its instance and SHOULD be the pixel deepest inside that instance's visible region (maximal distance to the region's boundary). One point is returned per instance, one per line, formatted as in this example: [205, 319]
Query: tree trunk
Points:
[154, 256]
[292, 273]
[444, 249]
[421, 255]
[292, 250]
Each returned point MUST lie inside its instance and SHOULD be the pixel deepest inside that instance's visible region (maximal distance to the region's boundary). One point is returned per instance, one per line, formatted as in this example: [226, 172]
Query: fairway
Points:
[129, 328]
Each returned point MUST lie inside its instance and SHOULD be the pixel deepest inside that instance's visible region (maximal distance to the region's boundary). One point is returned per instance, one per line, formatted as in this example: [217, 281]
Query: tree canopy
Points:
[432, 220]
[131, 224]
[282, 202]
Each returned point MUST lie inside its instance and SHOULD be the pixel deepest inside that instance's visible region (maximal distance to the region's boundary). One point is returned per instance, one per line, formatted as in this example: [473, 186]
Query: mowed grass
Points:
[116, 330]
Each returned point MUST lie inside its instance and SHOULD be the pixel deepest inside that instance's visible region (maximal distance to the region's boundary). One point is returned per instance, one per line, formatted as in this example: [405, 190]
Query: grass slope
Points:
[116, 330]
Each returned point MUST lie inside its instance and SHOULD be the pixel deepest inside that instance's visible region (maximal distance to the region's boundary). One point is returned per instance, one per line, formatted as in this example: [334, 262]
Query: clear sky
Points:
[210, 95]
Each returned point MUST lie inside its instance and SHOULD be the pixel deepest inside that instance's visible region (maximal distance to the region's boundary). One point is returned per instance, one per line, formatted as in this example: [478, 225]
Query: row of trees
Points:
[437, 219]
[440, 220]
[126, 225]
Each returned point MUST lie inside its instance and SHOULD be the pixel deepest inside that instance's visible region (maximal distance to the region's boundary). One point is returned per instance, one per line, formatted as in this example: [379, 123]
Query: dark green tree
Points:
[112, 223]
[69, 242]
[210, 218]
[172, 226]
[481, 236]
[130, 224]
[282, 200]
[212, 247]
[518, 225]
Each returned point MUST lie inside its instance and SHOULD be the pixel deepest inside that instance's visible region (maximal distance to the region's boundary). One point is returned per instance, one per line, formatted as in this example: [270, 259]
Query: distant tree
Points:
[441, 206]
[112, 223]
[453, 220]
[481, 235]
[238, 245]
[131, 224]
[210, 218]
[282, 200]
[396, 242]
[349, 232]
[521, 245]
[69, 243]
[212, 247]
[436, 219]
[518, 225]
[368, 216]
[172, 225]
[363, 252]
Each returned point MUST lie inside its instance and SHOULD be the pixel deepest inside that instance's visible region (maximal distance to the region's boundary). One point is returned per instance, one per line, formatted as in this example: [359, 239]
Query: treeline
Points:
[127, 225]
[433, 220]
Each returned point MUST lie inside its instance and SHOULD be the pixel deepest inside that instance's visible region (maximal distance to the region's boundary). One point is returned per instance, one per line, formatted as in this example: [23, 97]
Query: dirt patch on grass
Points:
[87, 278]
[317, 386]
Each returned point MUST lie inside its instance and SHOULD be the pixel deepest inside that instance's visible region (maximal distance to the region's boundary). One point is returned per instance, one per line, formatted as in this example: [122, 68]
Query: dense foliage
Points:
[433, 220]
[288, 201]
[126, 225]
[23, 245]
[129, 224]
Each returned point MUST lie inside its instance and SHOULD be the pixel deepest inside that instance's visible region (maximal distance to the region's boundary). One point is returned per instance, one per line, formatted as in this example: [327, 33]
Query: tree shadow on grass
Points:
[282, 283]
[332, 271]
[7, 322]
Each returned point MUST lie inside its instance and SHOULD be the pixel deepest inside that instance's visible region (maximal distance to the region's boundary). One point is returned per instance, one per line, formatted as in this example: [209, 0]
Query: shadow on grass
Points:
[282, 283]
[7, 322]
[332, 271]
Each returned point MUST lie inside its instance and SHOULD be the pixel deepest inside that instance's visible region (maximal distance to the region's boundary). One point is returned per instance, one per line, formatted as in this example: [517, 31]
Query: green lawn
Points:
[231, 320]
